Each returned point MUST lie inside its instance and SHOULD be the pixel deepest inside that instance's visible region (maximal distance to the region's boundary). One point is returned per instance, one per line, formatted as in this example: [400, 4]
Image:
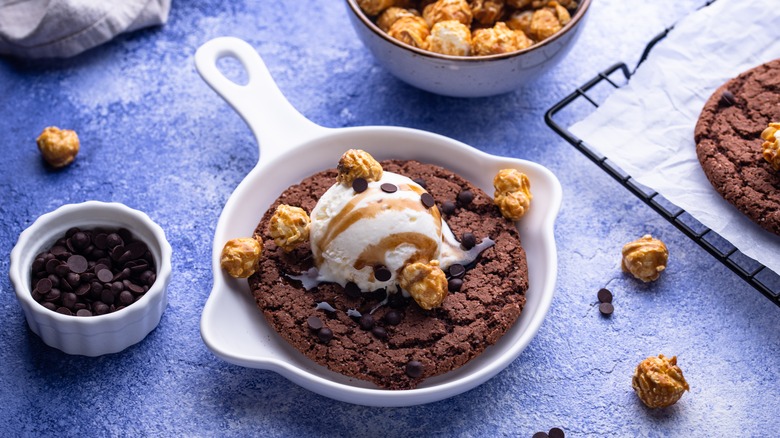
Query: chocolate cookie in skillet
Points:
[392, 272]
[729, 144]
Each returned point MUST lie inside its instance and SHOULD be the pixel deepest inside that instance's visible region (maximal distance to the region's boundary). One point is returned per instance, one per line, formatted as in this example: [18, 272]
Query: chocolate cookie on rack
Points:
[729, 143]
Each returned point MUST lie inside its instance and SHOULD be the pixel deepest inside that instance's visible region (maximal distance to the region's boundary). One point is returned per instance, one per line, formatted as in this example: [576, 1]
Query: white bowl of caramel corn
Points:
[467, 48]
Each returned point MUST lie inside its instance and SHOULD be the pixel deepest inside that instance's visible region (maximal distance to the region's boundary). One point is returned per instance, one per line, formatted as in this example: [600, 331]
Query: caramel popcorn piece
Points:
[411, 30]
[659, 382]
[498, 39]
[569, 4]
[450, 37]
[375, 7]
[513, 205]
[645, 258]
[511, 180]
[487, 12]
[444, 10]
[520, 20]
[289, 226]
[391, 15]
[519, 4]
[547, 21]
[426, 283]
[513, 193]
[536, 4]
[357, 163]
[58, 146]
[240, 256]
[771, 145]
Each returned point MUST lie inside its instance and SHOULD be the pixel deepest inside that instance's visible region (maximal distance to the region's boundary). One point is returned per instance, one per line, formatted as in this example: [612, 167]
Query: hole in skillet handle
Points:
[233, 69]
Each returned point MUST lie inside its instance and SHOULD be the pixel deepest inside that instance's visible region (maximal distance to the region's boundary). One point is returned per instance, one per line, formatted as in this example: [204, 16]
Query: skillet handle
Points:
[276, 124]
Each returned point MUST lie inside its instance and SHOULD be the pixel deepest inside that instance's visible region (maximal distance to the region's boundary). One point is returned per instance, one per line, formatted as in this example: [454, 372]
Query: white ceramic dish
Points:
[465, 76]
[293, 148]
[101, 334]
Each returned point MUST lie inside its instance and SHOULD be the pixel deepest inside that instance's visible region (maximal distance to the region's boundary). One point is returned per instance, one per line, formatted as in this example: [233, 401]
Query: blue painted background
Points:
[156, 138]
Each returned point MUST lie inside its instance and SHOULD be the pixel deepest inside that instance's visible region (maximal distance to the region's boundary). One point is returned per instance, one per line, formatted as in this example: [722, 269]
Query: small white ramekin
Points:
[101, 334]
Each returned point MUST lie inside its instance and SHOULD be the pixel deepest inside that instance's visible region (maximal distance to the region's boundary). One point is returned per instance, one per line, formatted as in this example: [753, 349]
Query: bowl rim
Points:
[131, 313]
[582, 8]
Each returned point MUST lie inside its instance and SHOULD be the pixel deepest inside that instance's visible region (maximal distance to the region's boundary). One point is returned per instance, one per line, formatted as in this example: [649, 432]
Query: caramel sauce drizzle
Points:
[350, 215]
[375, 254]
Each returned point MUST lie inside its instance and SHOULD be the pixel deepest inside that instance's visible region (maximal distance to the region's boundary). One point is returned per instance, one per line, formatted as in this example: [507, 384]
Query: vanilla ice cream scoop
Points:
[367, 233]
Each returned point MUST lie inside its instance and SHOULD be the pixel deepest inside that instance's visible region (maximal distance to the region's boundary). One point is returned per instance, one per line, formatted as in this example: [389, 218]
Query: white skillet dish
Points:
[291, 149]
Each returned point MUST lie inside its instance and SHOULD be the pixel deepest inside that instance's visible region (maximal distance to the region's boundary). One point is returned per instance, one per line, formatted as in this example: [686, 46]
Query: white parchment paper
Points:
[646, 127]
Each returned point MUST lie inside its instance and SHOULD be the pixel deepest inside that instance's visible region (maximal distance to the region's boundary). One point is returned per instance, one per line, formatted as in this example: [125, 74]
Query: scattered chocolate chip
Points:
[132, 287]
[147, 277]
[381, 273]
[398, 301]
[556, 432]
[52, 295]
[82, 289]
[388, 188]
[77, 263]
[113, 240]
[314, 323]
[121, 275]
[352, 290]
[448, 207]
[100, 308]
[393, 317]
[414, 369]
[540, 435]
[61, 270]
[379, 332]
[421, 182]
[69, 300]
[80, 240]
[105, 275]
[39, 264]
[107, 296]
[606, 309]
[126, 298]
[117, 287]
[55, 281]
[465, 197]
[137, 249]
[468, 240]
[325, 335]
[427, 200]
[366, 321]
[727, 98]
[359, 185]
[100, 240]
[43, 286]
[454, 284]
[457, 270]
[58, 250]
[604, 295]
[73, 279]
[51, 265]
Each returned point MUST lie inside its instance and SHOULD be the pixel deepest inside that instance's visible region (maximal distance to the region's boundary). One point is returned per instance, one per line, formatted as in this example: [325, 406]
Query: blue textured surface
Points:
[156, 138]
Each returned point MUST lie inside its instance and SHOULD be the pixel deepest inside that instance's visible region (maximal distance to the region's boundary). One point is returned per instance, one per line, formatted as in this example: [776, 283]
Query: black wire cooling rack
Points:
[594, 91]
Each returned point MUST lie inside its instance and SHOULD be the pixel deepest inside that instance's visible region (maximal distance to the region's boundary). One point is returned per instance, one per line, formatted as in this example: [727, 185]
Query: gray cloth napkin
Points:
[63, 28]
